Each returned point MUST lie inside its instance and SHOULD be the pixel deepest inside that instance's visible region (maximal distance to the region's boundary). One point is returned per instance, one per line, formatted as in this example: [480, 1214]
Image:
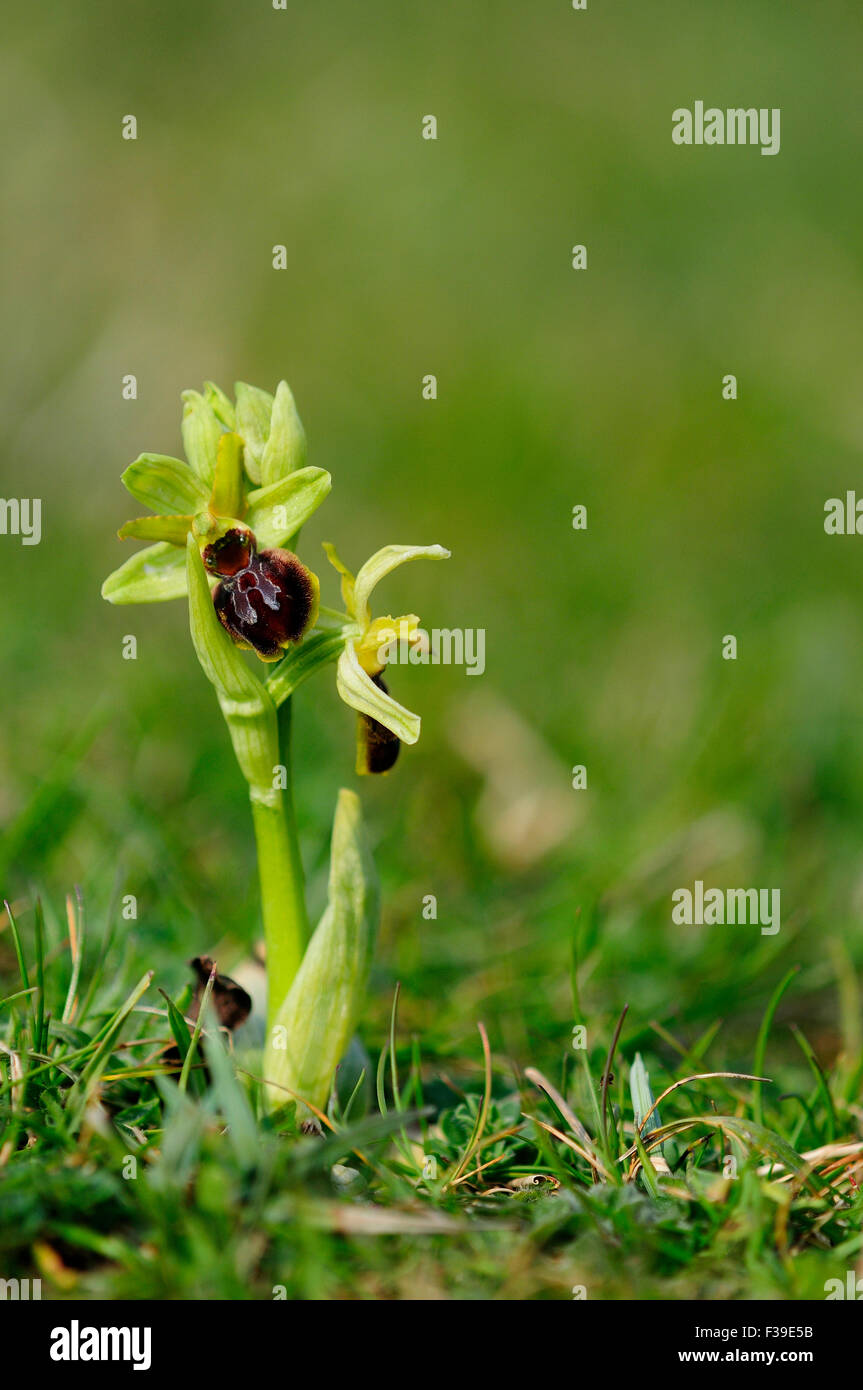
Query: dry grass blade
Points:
[571, 1144]
[490, 1162]
[828, 1151]
[843, 1163]
[559, 1103]
[698, 1076]
[378, 1221]
[606, 1077]
[557, 1100]
[75, 921]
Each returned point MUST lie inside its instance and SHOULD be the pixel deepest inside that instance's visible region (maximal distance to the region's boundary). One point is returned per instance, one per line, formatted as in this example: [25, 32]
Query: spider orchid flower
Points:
[383, 724]
[244, 496]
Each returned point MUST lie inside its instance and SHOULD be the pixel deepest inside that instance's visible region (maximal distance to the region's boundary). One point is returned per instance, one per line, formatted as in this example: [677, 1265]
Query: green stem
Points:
[283, 897]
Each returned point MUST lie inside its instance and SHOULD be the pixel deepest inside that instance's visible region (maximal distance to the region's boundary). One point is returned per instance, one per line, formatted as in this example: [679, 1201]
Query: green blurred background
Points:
[556, 387]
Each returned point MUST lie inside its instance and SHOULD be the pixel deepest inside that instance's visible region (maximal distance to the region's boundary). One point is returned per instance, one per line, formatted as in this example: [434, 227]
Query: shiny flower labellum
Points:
[266, 599]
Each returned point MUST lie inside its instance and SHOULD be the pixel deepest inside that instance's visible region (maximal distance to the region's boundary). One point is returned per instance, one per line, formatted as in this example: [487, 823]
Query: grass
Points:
[127, 1174]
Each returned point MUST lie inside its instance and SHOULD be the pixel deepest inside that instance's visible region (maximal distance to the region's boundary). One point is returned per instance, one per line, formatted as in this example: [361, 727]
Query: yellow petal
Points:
[371, 646]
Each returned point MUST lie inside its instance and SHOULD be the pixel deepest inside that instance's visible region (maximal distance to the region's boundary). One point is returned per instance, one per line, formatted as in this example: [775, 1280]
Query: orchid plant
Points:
[223, 531]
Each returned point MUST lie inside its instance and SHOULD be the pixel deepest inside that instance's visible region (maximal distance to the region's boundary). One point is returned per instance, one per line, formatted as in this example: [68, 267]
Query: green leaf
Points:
[254, 409]
[360, 692]
[150, 576]
[249, 712]
[179, 1026]
[647, 1168]
[201, 430]
[642, 1096]
[276, 513]
[164, 484]
[227, 494]
[285, 449]
[302, 661]
[173, 529]
[194, 1043]
[381, 563]
[88, 1080]
[315, 1023]
[763, 1035]
[183, 1039]
[231, 1099]
[642, 1106]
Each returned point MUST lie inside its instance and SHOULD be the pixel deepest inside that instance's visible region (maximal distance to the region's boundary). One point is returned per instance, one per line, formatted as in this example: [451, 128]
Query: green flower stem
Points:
[280, 870]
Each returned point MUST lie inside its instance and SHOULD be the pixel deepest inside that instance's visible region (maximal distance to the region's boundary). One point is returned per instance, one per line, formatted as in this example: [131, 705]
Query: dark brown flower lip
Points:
[265, 598]
[231, 553]
[377, 747]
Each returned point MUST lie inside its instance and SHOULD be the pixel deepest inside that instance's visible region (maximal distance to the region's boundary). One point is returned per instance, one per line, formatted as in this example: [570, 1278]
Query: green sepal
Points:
[201, 431]
[249, 712]
[221, 405]
[226, 498]
[285, 450]
[164, 484]
[276, 513]
[153, 575]
[360, 692]
[254, 409]
[173, 529]
[316, 1022]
